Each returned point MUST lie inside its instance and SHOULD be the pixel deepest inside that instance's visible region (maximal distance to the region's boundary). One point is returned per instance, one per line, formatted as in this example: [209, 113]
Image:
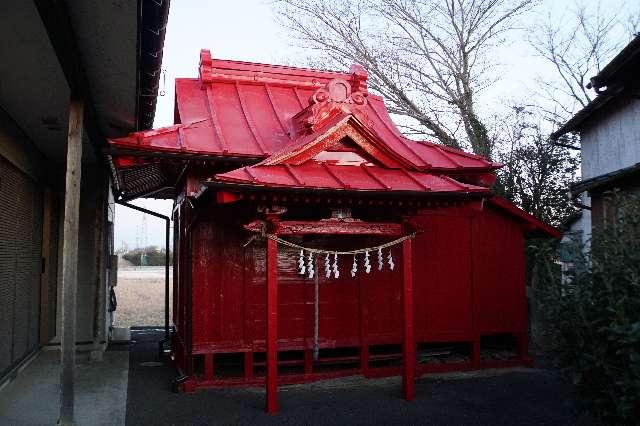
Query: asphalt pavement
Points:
[507, 397]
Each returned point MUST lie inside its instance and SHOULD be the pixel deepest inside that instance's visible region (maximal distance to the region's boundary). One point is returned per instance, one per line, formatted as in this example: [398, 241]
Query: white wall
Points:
[612, 140]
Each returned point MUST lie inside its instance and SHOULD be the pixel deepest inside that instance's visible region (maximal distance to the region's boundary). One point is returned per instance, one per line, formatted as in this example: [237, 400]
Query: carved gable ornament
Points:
[346, 134]
[336, 98]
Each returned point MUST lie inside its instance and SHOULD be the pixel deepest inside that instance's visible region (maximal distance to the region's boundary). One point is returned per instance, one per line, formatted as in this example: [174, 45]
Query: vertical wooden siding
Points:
[468, 271]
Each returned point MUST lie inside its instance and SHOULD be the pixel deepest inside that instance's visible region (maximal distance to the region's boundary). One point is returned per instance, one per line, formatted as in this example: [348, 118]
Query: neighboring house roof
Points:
[607, 180]
[616, 77]
[623, 65]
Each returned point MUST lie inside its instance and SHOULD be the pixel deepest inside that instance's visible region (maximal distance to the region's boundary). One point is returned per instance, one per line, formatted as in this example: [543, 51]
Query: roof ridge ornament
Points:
[337, 97]
[359, 76]
[206, 65]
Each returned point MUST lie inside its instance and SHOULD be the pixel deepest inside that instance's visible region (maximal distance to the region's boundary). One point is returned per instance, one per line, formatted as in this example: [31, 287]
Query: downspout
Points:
[191, 220]
[167, 220]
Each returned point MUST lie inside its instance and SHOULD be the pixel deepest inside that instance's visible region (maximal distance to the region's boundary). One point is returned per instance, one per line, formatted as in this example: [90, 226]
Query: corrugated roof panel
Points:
[360, 178]
[273, 175]
[232, 121]
[437, 159]
[238, 175]
[444, 157]
[191, 100]
[313, 177]
[163, 140]
[287, 102]
[267, 123]
[430, 182]
[355, 178]
[387, 130]
[396, 181]
[200, 138]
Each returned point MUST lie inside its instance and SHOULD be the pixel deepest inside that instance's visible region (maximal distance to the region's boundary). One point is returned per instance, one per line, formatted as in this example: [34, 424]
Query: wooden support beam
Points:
[272, 327]
[330, 227]
[70, 261]
[408, 338]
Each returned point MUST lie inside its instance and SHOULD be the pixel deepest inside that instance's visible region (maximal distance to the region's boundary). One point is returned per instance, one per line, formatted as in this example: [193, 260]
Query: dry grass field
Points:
[140, 294]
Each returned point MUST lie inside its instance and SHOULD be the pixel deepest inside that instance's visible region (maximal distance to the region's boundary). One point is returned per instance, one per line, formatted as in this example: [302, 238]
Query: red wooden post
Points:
[272, 327]
[408, 341]
[308, 361]
[475, 353]
[248, 365]
[208, 367]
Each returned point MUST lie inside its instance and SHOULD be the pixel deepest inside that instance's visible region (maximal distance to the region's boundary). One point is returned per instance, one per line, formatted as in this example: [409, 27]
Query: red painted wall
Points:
[468, 278]
[499, 291]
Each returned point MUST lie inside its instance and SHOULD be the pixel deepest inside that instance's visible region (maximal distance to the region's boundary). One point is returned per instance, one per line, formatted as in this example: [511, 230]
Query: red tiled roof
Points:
[245, 109]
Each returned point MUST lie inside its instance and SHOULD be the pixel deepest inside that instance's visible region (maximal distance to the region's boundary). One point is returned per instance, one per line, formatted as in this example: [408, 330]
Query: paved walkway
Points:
[513, 397]
[33, 398]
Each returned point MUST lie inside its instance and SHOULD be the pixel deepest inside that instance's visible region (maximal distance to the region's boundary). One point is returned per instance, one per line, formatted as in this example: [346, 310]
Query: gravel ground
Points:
[140, 295]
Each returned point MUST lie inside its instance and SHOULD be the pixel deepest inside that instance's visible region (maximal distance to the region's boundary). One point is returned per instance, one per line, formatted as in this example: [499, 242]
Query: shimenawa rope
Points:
[321, 251]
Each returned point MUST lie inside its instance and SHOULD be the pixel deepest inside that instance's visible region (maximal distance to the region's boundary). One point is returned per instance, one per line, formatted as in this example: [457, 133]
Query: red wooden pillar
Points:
[208, 367]
[408, 340]
[475, 353]
[272, 327]
[248, 365]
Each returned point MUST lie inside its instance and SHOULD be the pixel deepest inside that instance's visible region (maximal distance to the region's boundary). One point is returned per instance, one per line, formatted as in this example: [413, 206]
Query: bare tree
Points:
[577, 46]
[428, 58]
[536, 172]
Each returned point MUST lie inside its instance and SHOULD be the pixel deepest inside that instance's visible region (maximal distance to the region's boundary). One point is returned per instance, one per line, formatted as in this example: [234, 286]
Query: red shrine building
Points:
[313, 240]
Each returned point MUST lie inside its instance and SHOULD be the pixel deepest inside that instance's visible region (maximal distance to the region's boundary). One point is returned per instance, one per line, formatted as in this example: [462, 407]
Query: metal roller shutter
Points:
[48, 322]
[20, 264]
[7, 262]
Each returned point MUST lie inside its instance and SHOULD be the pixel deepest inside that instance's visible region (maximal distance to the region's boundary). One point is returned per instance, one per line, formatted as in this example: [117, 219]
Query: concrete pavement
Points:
[101, 391]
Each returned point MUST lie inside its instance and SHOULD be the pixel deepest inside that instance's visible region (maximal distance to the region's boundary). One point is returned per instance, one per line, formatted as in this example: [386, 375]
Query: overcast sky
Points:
[247, 30]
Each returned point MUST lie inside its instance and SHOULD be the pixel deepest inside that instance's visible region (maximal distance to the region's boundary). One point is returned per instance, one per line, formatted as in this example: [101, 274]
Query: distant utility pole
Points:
[143, 232]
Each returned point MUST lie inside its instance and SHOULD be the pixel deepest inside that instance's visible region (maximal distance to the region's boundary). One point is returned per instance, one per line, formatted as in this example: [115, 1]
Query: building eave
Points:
[576, 122]
[616, 77]
[152, 24]
[605, 181]
[622, 63]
